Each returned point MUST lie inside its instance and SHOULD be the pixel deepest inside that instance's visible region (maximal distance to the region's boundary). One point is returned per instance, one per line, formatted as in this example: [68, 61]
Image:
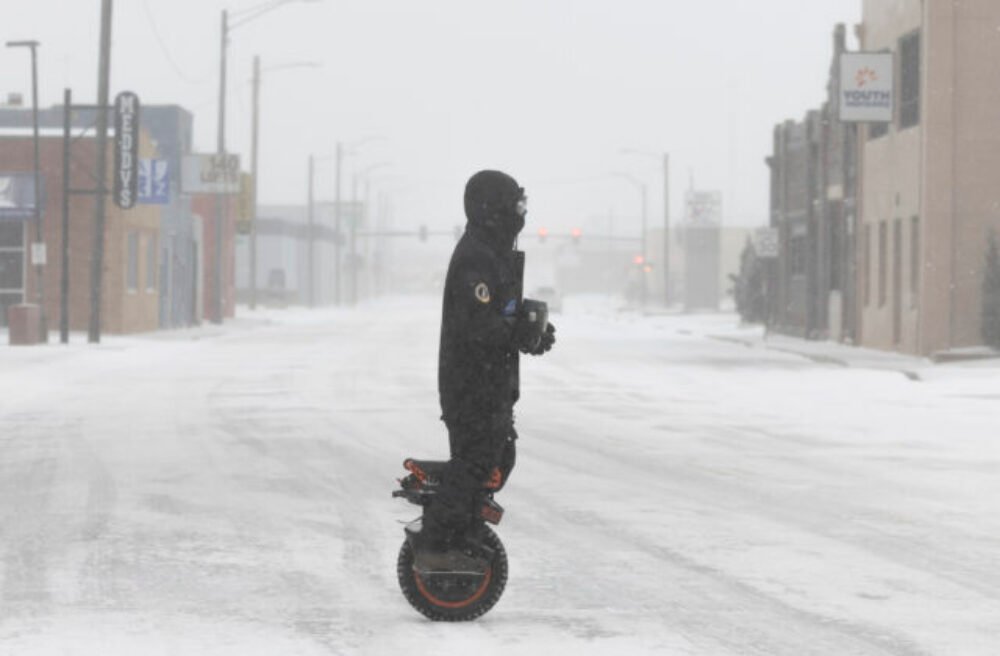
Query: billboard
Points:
[211, 174]
[703, 209]
[17, 196]
[866, 87]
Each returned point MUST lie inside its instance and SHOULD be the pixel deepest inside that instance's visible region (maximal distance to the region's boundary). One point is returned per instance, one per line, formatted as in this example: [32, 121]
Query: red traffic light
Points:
[576, 232]
[542, 234]
[638, 260]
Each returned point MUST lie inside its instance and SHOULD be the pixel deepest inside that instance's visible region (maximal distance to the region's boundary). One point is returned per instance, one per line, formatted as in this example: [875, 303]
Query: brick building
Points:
[130, 294]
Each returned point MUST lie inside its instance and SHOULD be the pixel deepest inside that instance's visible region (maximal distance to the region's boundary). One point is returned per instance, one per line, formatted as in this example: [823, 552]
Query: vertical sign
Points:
[126, 185]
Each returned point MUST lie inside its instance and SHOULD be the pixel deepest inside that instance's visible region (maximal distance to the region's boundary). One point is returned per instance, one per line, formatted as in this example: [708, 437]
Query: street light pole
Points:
[310, 237]
[641, 186]
[666, 230]
[665, 158]
[221, 199]
[336, 228]
[221, 152]
[364, 173]
[253, 181]
[39, 239]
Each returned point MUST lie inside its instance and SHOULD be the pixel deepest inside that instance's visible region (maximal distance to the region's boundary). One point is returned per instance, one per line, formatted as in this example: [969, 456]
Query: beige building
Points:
[930, 180]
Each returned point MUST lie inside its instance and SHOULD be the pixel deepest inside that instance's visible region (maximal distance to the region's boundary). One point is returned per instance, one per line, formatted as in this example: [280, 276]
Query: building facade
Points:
[130, 287]
[928, 194]
[813, 187]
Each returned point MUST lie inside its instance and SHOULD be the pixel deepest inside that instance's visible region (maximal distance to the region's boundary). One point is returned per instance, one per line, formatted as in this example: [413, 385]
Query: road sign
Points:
[154, 182]
[126, 183]
[765, 243]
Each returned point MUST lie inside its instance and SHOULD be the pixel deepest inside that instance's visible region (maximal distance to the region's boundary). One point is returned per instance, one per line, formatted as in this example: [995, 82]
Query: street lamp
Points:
[354, 224]
[352, 149]
[253, 162]
[666, 214]
[39, 280]
[240, 18]
[641, 186]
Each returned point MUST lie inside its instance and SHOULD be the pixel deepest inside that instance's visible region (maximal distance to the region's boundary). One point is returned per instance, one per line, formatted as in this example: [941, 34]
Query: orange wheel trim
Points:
[454, 604]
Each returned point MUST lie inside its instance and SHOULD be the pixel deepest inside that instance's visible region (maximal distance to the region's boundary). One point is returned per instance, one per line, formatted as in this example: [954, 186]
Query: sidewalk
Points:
[843, 355]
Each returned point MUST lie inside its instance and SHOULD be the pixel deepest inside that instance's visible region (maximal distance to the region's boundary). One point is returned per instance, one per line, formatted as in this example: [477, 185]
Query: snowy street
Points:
[226, 491]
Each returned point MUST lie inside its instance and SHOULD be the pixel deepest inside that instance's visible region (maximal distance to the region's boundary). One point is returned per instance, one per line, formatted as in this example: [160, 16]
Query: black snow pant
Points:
[479, 447]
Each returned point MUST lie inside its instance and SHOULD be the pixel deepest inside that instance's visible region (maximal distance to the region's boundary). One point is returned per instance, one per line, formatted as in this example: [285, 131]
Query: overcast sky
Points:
[548, 90]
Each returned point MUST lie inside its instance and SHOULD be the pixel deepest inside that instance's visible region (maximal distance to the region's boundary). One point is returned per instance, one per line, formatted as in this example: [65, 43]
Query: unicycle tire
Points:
[447, 597]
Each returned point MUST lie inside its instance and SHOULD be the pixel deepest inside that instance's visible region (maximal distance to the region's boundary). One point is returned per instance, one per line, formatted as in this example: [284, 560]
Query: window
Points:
[132, 269]
[883, 256]
[876, 130]
[151, 264]
[914, 260]
[11, 234]
[909, 80]
[11, 269]
[866, 264]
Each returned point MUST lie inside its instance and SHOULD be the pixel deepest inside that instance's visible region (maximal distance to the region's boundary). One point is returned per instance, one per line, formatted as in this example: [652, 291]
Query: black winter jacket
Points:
[478, 358]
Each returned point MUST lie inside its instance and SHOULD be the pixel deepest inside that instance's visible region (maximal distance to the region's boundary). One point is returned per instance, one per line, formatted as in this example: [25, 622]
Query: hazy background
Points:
[547, 90]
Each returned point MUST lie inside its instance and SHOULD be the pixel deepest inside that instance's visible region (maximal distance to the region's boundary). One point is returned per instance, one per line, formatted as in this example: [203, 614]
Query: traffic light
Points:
[542, 234]
[638, 260]
[575, 233]
[422, 233]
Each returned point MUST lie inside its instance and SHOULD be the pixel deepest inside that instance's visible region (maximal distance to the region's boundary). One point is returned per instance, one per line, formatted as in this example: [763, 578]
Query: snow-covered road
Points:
[226, 492]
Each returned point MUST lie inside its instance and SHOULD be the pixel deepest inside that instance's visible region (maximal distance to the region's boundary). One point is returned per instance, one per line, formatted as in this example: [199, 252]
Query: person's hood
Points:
[491, 208]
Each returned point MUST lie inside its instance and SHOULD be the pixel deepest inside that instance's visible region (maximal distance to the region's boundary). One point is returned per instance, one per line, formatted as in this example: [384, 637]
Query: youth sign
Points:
[866, 87]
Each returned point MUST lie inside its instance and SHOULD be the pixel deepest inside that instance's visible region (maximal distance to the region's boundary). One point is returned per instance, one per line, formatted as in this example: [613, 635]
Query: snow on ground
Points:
[684, 486]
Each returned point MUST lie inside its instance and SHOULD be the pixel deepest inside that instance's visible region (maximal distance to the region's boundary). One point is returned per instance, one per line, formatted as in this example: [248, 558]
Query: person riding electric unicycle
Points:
[452, 566]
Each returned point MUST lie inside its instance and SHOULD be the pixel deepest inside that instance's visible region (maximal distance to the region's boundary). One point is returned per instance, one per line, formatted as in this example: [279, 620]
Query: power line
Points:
[163, 48]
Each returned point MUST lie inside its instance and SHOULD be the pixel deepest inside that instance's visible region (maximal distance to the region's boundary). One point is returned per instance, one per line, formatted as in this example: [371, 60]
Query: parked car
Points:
[550, 296]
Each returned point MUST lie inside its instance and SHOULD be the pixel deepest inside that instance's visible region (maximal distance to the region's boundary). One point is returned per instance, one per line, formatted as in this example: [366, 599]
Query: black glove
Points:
[546, 342]
[529, 326]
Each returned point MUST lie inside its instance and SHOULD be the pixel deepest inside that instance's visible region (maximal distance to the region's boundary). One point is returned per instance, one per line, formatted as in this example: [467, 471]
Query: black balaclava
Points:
[491, 207]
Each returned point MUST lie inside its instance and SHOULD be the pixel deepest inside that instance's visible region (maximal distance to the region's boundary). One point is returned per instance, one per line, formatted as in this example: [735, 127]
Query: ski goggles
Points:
[522, 205]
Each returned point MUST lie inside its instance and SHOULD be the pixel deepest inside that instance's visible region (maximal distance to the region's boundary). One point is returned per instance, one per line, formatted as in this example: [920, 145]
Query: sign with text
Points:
[126, 185]
[211, 174]
[154, 182]
[866, 87]
[765, 242]
[703, 209]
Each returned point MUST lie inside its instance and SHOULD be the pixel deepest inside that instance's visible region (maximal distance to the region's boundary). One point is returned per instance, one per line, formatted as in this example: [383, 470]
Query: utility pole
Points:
[253, 179]
[666, 230]
[310, 238]
[336, 228]
[645, 260]
[64, 275]
[103, 84]
[220, 197]
[353, 263]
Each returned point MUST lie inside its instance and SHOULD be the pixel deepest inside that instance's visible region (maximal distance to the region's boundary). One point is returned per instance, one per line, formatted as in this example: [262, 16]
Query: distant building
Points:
[813, 172]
